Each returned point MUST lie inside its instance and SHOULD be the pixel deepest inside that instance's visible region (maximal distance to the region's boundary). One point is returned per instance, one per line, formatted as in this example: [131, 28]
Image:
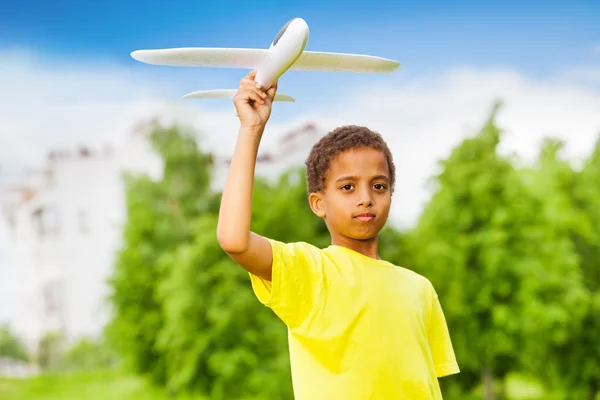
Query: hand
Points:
[252, 104]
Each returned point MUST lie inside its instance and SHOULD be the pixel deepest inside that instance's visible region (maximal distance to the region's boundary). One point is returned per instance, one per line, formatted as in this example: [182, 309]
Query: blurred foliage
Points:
[10, 345]
[216, 339]
[572, 200]
[158, 222]
[55, 354]
[513, 253]
[50, 350]
[184, 312]
[88, 354]
[506, 272]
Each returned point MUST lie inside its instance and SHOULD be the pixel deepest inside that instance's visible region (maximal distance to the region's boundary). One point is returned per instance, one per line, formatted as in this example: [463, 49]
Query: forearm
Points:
[233, 231]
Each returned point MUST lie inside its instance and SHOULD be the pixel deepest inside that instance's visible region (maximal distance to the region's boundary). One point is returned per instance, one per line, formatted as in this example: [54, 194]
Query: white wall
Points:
[56, 278]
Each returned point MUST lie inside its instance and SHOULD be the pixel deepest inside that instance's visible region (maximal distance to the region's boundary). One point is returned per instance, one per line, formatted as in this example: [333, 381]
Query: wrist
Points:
[254, 130]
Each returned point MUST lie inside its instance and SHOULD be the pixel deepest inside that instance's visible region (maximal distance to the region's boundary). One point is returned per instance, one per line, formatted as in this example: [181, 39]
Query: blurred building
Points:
[290, 149]
[61, 226]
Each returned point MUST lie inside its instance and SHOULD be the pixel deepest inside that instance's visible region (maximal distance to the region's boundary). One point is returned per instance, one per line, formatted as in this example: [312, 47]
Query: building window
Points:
[45, 221]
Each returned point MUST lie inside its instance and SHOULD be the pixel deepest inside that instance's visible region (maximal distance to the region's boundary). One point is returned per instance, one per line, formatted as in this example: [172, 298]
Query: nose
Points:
[365, 199]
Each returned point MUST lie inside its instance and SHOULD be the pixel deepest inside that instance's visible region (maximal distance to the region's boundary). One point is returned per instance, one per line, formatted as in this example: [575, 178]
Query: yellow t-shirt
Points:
[359, 328]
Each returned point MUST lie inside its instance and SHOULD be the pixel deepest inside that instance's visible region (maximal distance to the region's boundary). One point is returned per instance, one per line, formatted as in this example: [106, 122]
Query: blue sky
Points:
[535, 37]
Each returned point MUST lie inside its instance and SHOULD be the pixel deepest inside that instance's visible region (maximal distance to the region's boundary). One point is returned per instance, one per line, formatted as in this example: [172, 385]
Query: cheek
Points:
[387, 206]
[337, 206]
[386, 201]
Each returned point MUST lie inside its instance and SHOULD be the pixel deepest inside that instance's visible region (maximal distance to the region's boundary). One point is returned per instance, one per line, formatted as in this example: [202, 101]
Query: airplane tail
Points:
[229, 94]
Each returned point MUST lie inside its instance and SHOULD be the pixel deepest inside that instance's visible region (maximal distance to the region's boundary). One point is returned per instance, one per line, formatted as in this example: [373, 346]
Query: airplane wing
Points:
[342, 62]
[228, 94]
[252, 58]
[203, 57]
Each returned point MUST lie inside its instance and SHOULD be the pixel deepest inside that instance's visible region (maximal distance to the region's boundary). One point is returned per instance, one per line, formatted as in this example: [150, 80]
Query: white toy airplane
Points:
[286, 52]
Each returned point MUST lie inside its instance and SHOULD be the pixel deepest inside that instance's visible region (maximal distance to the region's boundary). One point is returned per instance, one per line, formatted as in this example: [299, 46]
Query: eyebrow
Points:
[351, 177]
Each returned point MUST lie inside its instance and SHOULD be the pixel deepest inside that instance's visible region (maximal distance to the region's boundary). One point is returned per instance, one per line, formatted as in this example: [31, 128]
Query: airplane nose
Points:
[298, 23]
[281, 32]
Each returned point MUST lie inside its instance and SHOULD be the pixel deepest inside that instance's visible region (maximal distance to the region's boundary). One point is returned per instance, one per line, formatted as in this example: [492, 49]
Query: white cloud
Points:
[585, 76]
[64, 104]
[424, 118]
[48, 106]
[61, 104]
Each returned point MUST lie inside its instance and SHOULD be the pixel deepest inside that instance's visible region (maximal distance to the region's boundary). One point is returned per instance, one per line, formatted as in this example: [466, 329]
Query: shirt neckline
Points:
[360, 255]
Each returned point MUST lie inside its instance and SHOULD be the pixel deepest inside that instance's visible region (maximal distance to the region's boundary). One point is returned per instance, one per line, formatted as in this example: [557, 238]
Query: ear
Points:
[316, 204]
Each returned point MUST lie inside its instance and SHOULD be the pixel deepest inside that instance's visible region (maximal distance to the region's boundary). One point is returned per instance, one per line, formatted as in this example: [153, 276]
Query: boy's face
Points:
[357, 197]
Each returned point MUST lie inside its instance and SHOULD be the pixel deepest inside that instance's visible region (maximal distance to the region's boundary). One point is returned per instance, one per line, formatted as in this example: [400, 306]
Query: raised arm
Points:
[250, 250]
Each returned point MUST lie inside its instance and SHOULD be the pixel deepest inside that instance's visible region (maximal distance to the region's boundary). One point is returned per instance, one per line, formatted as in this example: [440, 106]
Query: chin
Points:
[363, 235]
[365, 232]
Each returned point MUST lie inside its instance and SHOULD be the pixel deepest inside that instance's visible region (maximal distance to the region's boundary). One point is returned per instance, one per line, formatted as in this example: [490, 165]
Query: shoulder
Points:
[298, 248]
[414, 276]
[417, 280]
[290, 253]
[294, 287]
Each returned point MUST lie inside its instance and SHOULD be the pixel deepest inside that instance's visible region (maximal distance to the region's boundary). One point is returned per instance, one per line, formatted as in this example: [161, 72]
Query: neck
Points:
[367, 247]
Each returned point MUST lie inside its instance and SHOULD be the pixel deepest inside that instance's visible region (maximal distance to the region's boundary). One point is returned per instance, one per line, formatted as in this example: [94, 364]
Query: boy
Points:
[359, 327]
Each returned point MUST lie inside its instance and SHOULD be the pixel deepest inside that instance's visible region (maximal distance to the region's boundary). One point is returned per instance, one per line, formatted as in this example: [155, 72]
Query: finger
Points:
[272, 91]
[248, 82]
[252, 74]
[253, 95]
[250, 86]
[248, 91]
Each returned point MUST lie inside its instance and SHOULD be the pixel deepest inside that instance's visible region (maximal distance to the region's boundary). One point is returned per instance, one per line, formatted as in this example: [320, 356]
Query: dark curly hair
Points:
[336, 142]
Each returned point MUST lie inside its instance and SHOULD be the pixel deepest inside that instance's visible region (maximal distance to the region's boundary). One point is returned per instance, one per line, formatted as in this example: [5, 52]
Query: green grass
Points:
[92, 385]
[112, 384]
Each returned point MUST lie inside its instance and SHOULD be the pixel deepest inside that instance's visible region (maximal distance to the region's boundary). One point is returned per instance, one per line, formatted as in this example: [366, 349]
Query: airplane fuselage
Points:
[288, 45]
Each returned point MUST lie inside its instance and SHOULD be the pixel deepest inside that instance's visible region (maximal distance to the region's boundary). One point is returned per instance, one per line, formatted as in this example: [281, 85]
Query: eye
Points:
[347, 187]
[379, 186]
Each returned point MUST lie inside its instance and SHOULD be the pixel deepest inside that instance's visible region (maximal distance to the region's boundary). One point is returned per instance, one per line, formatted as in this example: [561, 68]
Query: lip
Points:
[365, 217]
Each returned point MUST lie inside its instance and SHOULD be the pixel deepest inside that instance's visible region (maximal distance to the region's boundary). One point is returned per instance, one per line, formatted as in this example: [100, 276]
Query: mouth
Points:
[365, 217]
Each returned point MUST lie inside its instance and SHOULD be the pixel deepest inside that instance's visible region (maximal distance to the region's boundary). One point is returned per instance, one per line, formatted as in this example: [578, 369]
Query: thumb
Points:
[251, 74]
[272, 90]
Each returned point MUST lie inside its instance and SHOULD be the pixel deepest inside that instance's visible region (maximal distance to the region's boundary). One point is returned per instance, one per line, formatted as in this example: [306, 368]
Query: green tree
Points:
[506, 278]
[571, 368]
[395, 247]
[88, 354]
[585, 348]
[184, 313]
[10, 345]
[50, 350]
[157, 221]
[218, 339]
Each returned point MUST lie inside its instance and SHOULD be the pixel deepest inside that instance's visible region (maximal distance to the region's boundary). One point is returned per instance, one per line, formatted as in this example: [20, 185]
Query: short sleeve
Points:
[295, 279]
[442, 352]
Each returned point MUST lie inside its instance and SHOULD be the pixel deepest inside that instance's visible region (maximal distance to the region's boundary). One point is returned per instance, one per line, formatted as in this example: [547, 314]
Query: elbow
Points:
[231, 244]
[232, 247]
